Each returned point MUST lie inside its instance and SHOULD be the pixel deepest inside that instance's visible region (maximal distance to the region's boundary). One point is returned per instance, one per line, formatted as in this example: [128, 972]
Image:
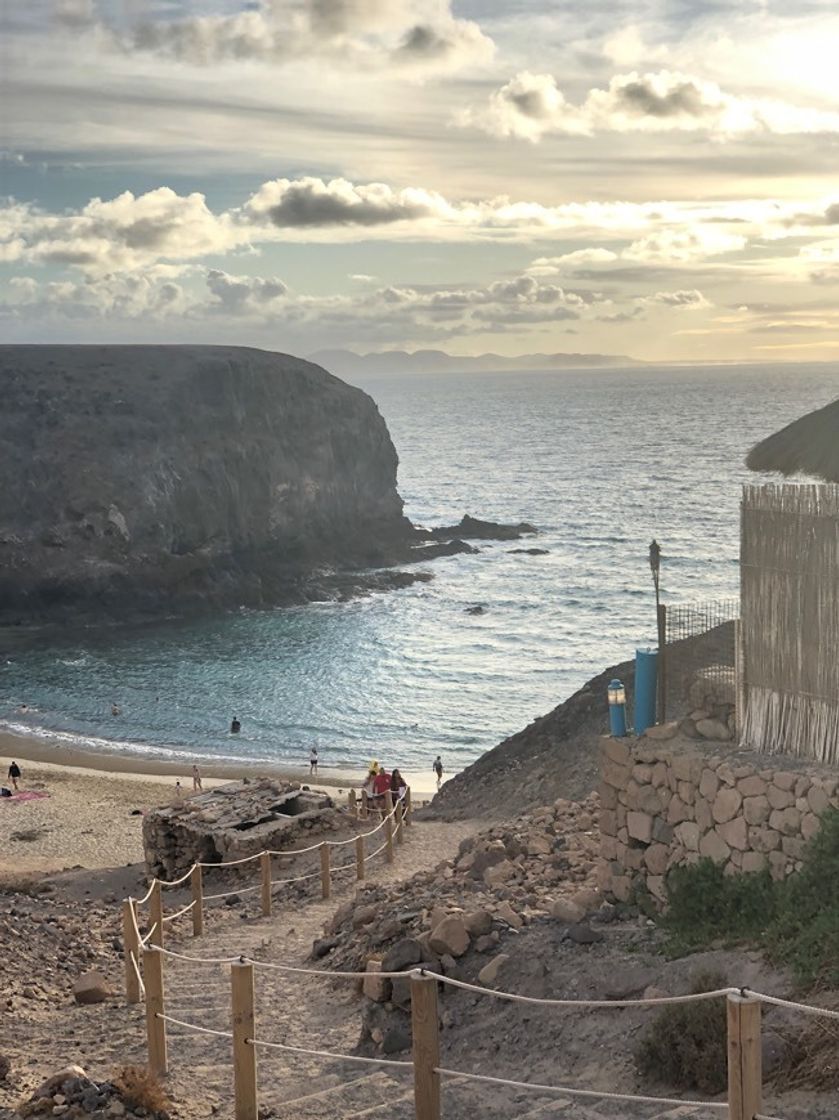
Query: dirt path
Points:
[299, 1010]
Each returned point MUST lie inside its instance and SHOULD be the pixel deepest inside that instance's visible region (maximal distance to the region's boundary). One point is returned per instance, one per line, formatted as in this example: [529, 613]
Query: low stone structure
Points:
[665, 804]
[236, 820]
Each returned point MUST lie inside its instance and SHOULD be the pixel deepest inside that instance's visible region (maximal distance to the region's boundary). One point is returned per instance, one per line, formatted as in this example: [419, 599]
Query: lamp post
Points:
[661, 631]
[617, 709]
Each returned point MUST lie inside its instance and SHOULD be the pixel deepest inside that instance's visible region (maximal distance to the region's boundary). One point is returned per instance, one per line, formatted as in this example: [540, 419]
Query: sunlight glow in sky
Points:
[658, 179]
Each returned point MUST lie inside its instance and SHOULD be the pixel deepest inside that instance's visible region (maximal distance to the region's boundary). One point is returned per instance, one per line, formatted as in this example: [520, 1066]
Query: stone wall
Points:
[665, 804]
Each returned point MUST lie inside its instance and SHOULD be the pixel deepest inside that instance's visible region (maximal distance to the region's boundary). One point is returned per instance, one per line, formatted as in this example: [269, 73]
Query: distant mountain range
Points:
[347, 363]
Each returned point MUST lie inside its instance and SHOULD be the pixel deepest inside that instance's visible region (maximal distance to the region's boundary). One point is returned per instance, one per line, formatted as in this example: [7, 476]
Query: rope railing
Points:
[721, 1106]
[743, 1030]
[393, 821]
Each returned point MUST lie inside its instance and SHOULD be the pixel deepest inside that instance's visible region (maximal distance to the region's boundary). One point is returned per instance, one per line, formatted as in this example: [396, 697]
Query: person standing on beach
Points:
[438, 770]
[313, 761]
[14, 774]
[196, 778]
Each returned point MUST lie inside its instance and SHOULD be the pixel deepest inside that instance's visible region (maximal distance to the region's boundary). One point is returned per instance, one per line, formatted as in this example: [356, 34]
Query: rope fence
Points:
[744, 1097]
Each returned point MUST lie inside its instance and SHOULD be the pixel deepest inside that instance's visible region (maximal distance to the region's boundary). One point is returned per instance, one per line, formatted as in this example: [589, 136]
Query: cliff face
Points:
[160, 476]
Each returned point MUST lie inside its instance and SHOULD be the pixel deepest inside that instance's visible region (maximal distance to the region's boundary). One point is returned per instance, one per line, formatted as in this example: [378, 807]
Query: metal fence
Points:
[696, 638]
[789, 567]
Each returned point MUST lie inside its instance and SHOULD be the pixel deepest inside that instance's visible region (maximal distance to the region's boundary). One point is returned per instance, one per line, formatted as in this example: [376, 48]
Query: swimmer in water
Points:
[235, 726]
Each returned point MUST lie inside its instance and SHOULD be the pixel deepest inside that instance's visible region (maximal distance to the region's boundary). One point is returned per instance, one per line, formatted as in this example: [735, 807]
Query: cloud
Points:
[311, 202]
[123, 233]
[684, 300]
[567, 262]
[684, 245]
[394, 34]
[531, 106]
[234, 294]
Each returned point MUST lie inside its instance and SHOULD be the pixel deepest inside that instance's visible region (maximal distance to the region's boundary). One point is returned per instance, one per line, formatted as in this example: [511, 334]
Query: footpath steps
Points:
[323, 1014]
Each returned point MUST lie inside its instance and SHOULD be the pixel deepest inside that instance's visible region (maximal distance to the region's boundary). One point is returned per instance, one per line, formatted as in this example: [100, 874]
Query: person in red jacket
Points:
[381, 784]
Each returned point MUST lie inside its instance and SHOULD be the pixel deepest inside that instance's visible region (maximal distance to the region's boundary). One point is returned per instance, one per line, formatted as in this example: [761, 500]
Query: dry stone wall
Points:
[666, 804]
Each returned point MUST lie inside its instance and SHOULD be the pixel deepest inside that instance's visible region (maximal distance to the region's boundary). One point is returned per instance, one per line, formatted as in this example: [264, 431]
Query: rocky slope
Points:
[147, 476]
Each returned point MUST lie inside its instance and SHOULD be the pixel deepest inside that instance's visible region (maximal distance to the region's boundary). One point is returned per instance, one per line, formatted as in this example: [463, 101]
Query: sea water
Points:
[601, 461]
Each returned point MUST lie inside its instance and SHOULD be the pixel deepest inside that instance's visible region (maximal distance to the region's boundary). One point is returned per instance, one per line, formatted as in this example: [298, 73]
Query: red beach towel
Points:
[24, 795]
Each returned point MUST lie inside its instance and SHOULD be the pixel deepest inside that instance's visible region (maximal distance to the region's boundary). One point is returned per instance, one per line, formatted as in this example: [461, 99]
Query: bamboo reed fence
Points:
[789, 631]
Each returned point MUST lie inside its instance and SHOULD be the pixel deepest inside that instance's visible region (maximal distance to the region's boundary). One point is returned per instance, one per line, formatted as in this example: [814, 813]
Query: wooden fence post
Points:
[155, 1008]
[156, 914]
[365, 808]
[131, 948]
[265, 864]
[196, 881]
[388, 801]
[351, 803]
[359, 858]
[408, 806]
[389, 839]
[661, 618]
[244, 1051]
[400, 839]
[744, 1058]
[325, 881]
[425, 1029]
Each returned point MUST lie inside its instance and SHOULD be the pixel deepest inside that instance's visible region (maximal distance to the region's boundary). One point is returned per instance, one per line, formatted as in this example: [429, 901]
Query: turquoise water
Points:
[600, 461]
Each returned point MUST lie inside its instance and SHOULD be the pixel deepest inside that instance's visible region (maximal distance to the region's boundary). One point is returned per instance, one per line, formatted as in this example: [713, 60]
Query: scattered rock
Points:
[489, 973]
[91, 988]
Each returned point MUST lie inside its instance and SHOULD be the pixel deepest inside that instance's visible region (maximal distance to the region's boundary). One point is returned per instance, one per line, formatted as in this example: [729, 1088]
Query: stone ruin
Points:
[236, 820]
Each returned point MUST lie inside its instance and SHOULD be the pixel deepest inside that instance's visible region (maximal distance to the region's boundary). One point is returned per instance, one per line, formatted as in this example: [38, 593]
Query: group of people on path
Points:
[378, 783]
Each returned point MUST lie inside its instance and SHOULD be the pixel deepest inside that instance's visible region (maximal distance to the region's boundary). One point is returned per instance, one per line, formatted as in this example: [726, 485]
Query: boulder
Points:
[48, 1087]
[90, 988]
[478, 923]
[450, 936]
[401, 955]
[375, 987]
[567, 911]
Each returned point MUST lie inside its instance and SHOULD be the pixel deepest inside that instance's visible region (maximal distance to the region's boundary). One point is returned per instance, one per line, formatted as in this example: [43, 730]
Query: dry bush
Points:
[812, 1059]
[140, 1088]
[686, 1044]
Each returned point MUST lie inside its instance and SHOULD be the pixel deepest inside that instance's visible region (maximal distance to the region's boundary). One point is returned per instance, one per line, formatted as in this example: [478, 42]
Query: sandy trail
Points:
[300, 1010]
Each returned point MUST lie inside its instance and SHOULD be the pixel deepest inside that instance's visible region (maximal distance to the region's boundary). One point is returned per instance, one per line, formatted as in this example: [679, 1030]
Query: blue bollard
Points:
[646, 670]
[617, 709]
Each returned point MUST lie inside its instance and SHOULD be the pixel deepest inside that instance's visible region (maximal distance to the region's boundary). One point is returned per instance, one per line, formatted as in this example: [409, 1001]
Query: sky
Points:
[658, 179]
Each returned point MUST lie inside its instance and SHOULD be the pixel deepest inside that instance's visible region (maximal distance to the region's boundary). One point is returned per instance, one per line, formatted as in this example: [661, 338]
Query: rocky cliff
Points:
[148, 477]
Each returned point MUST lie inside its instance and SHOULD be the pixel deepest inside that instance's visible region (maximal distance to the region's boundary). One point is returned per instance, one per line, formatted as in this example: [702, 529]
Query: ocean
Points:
[601, 461]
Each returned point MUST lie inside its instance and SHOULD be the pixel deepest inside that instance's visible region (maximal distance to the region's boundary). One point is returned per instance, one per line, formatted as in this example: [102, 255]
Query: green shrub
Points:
[796, 921]
[705, 905]
[805, 932]
[685, 1044]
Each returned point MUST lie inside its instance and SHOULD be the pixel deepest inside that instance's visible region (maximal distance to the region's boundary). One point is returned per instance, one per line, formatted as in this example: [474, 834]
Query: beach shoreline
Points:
[90, 804]
[38, 751]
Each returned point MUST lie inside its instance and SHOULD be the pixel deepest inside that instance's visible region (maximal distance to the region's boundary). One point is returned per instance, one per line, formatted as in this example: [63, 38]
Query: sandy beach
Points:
[92, 817]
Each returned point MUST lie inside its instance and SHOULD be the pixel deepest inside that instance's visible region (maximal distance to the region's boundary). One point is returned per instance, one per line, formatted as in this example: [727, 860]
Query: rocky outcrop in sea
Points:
[148, 478]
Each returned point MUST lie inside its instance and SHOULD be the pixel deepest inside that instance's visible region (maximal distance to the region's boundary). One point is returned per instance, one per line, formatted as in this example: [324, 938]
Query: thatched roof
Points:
[806, 446]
